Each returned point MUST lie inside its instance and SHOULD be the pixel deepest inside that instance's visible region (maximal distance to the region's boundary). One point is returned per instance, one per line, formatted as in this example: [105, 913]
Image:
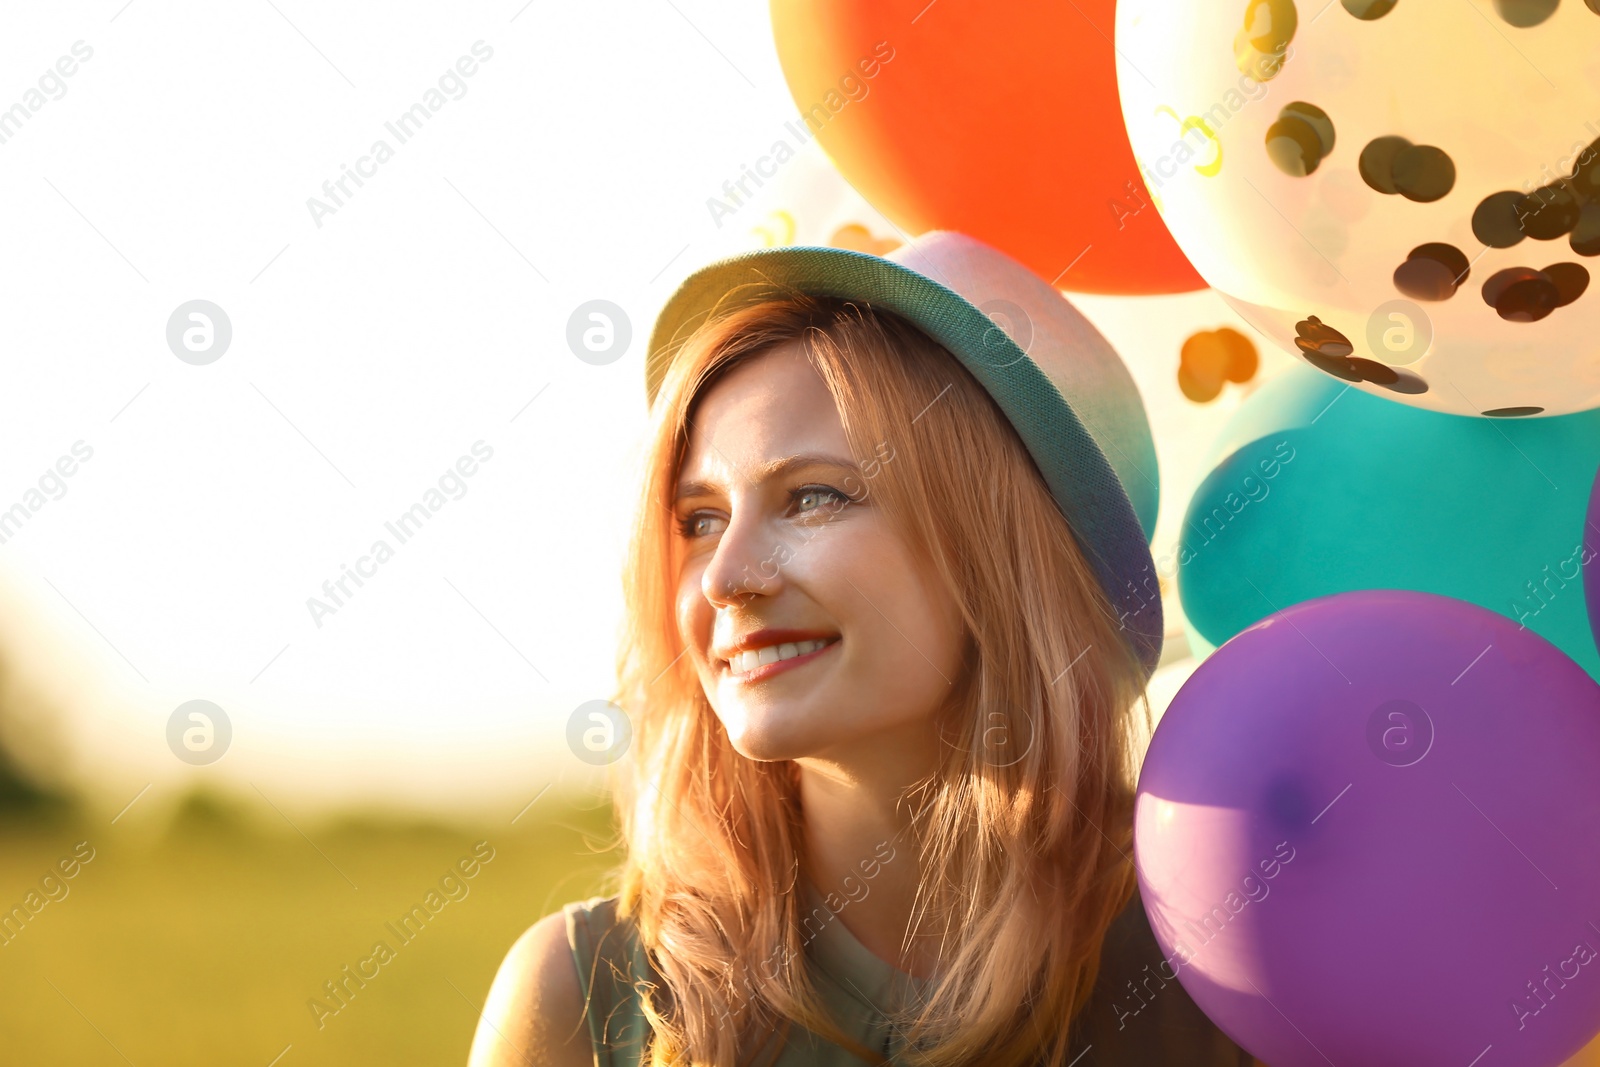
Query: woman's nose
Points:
[746, 562]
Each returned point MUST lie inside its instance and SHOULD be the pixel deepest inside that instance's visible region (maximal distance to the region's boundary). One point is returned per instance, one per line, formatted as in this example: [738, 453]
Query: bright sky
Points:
[421, 320]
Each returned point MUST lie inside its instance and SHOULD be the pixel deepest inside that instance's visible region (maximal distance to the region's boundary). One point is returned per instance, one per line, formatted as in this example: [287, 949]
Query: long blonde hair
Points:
[1023, 835]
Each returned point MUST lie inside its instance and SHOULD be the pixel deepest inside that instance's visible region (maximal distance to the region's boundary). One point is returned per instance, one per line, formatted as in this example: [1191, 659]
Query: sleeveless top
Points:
[1138, 1013]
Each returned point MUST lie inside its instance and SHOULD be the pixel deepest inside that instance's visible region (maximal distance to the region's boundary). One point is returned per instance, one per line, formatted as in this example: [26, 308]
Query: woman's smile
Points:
[759, 665]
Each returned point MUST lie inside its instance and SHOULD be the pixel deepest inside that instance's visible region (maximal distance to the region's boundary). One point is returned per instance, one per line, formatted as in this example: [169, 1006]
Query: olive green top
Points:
[1137, 1013]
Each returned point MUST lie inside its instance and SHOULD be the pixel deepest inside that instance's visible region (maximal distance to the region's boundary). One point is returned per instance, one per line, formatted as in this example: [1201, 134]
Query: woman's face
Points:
[779, 531]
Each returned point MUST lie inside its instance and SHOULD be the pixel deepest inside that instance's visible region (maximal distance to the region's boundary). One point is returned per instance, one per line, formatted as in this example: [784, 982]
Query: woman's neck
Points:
[862, 854]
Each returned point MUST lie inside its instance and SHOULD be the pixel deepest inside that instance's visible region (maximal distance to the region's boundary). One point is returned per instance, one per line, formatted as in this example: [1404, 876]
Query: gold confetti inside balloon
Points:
[1403, 193]
[776, 229]
[1210, 357]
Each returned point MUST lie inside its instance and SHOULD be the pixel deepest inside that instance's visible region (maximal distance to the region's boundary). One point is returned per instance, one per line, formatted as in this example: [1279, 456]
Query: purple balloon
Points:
[1368, 833]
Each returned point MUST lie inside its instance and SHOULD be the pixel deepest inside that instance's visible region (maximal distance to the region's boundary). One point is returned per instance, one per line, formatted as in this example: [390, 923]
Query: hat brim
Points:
[1081, 478]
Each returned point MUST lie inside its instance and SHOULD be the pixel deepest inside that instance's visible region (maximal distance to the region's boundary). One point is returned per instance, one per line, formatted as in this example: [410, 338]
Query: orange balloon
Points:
[998, 120]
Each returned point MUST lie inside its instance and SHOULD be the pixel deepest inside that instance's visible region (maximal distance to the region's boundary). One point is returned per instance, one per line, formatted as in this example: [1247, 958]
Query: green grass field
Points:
[200, 939]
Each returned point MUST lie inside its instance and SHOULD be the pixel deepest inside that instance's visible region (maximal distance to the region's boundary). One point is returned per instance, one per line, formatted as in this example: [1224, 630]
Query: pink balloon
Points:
[1368, 833]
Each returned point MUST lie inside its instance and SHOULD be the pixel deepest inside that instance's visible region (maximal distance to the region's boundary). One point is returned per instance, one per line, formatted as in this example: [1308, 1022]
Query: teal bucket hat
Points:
[1061, 384]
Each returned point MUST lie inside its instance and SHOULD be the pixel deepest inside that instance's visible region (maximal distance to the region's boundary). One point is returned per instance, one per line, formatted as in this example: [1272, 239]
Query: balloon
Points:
[1321, 488]
[1591, 568]
[1589, 1057]
[1365, 834]
[1406, 196]
[1000, 121]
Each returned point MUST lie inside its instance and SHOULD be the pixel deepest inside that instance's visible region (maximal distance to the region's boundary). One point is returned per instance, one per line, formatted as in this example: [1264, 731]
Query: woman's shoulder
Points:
[1140, 1013]
[595, 920]
[539, 1005]
[612, 966]
[605, 945]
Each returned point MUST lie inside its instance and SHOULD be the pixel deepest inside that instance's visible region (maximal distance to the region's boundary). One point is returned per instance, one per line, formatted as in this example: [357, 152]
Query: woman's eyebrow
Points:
[772, 469]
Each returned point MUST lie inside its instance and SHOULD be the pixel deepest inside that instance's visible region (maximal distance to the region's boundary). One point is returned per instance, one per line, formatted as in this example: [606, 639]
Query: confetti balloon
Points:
[1405, 195]
[1317, 488]
[1365, 834]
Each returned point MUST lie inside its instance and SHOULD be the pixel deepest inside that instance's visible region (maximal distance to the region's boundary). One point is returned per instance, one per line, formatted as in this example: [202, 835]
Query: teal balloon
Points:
[1317, 488]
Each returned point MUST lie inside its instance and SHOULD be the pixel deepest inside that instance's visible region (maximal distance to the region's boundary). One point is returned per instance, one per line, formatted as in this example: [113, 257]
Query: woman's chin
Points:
[769, 734]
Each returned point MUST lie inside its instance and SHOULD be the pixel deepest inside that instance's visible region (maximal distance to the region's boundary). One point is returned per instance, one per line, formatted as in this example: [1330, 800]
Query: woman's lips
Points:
[767, 670]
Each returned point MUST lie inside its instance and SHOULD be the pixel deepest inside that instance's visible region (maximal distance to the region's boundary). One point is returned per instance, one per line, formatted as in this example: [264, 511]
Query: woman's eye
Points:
[810, 497]
[806, 499]
[694, 524]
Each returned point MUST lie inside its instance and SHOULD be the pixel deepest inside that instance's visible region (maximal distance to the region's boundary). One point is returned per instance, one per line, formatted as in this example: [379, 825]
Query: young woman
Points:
[888, 625]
